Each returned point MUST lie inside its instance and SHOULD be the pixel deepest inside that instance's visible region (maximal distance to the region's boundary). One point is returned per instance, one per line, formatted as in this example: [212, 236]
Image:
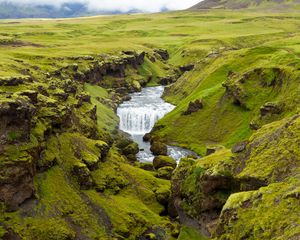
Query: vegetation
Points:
[66, 172]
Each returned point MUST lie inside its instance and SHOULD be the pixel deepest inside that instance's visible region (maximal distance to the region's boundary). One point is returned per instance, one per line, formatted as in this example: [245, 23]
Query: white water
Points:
[138, 116]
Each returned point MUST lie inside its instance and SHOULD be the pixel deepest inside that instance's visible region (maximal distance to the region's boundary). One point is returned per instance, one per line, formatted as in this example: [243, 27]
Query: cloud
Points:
[116, 5]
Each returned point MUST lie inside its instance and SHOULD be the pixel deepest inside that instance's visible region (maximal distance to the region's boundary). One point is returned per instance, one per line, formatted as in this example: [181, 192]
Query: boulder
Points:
[194, 107]
[165, 172]
[147, 137]
[167, 80]
[239, 147]
[186, 68]
[132, 148]
[159, 148]
[164, 161]
[146, 166]
[83, 176]
[162, 53]
[163, 195]
[270, 108]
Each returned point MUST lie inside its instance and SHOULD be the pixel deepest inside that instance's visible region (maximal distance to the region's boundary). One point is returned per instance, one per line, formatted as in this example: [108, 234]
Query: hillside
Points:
[250, 4]
[68, 173]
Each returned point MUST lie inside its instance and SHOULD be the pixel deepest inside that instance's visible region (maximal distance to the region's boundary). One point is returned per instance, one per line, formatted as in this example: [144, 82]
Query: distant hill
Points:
[66, 10]
[240, 4]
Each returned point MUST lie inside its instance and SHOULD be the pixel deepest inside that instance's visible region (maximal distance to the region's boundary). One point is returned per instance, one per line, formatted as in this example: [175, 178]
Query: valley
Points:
[231, 92]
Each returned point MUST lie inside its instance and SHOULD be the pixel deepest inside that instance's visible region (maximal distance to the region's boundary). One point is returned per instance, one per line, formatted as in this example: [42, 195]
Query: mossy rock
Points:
[132, 148]
[83, 175]
[159, 148]
[165, 172]
[164, 161]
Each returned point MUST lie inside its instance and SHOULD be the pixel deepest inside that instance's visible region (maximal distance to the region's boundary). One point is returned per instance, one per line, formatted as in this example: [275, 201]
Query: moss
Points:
[164, 161]
[190, 233]
[54, 229]
[273, 151]
[129, 196]
[258, 214]
[2, 232]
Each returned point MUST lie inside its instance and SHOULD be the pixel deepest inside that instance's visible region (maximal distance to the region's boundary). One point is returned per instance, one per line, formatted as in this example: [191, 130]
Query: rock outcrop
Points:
[15, 117]
[215, 189]
[16, 183]
[194, 107]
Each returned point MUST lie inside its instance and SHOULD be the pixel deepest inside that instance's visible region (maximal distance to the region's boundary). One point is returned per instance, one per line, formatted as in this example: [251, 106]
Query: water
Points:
[138, 116]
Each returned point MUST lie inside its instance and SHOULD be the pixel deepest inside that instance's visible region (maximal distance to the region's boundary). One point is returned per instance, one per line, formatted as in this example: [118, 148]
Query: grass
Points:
[217, 42]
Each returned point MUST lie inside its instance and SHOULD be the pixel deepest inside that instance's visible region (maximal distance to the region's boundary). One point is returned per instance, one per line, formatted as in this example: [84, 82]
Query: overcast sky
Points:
[121, 5]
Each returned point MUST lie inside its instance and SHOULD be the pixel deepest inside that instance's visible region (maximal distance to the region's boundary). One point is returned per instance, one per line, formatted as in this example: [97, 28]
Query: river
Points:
[138, 116]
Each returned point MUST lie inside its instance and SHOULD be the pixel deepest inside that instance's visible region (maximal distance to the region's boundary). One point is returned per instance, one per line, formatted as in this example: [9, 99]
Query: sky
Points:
[117, 5]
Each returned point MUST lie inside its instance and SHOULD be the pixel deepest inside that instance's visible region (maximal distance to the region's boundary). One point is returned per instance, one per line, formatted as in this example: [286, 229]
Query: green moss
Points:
[129, 196]
[273, 151]
[259, 214]
[54, 229]
[190, 233]
[2, 232]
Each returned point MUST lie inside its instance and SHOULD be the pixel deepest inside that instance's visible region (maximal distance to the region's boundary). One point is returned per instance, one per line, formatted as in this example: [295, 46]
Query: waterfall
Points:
[139, 115]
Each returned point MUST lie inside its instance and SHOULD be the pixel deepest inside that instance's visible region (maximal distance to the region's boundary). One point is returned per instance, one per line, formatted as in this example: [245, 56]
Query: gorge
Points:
[103, 121]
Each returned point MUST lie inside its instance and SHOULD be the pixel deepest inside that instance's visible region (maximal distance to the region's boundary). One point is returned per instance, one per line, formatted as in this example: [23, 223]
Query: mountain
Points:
[240, 4]
[66, 10]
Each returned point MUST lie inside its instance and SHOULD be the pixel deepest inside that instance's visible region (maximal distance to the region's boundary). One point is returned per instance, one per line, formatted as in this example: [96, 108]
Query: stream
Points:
[138, 116]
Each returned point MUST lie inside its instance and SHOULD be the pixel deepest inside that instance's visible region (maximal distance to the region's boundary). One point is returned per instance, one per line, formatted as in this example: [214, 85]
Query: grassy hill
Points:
[269, 5]
[67, 173]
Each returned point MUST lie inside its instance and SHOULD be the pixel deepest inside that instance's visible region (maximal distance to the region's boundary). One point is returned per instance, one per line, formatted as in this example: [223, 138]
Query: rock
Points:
[129, 52]
[147, 137]
[194, 107]
[164, 161]
[239, 147]
[270, 108]
[146, 166]
[137, 86]
[122, 91]
[165, 172]
[254, 125]
[103, 147]
[15, 118]
[74, 67]
[159, 148]
[234, 91]
[212, 149]
[186, 68]
[167, 80]
[162, 53]
[83, 176]
[163, 195]
[16, 182]
[84, 98]
[32, 95]
[132, 148]
[43, 91]
[14, 81]
[62, 96]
